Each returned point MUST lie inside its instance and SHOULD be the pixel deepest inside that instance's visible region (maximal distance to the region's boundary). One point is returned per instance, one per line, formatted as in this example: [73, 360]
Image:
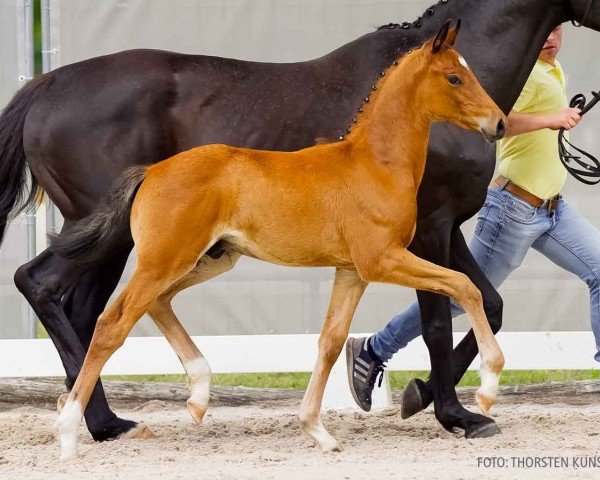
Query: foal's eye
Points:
[454, 80]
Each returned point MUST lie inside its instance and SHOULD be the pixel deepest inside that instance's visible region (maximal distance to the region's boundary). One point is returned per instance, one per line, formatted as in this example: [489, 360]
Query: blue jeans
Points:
[507, 227]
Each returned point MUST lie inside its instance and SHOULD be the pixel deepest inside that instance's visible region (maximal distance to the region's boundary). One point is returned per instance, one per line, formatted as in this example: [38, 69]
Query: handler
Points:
[523, 209]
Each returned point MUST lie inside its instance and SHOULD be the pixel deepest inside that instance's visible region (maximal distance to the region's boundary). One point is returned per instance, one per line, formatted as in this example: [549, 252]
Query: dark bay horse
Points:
[351, 205]
[78, 128]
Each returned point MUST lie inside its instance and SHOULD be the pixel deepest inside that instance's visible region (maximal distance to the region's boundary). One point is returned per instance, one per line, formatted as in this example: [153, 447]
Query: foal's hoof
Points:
[484, 430]
[68, 454]
[196, 411]
[484, 401]
[337, 448]
[327, 443]
[321, 437]
[412, 400]
[140, 432]
[60, 403]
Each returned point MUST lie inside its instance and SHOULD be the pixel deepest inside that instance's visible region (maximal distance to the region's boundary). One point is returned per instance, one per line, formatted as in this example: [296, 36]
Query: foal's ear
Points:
[452, 34]
[439, 42]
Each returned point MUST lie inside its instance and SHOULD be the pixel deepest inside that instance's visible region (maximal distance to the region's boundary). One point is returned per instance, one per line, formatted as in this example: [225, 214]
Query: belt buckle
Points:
[551, 203]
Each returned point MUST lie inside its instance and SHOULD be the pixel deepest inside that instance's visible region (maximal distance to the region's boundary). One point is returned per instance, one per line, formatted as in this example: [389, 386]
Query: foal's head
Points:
[450, 91]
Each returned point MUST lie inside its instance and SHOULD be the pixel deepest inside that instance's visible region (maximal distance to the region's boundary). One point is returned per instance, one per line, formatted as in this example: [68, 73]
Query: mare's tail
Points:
[14, 195]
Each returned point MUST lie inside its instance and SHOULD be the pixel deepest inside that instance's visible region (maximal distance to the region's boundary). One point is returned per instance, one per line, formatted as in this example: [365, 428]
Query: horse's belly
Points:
[287, 249]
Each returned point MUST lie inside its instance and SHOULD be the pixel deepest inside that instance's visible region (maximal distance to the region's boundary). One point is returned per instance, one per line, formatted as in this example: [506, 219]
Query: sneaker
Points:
[363, 371]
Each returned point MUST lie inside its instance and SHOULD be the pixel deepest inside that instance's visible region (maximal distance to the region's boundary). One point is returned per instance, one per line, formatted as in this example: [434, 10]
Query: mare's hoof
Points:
[484, 430]
[119, 428]
[412, 400]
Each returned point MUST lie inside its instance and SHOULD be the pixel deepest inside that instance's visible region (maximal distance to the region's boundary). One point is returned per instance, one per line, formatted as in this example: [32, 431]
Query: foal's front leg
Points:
[348, 289]
[398, 265]
[418, 394]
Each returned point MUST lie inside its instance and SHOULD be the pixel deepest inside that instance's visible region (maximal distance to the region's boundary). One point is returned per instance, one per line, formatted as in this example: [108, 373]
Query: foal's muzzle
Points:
[497, 134]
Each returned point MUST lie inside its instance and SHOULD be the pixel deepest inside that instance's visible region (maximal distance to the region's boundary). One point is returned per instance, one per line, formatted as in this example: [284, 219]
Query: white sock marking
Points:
[489, 383]
[198, 372]
[67, 424]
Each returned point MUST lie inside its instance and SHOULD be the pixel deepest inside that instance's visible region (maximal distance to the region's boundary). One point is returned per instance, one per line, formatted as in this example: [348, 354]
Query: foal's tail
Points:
[14, 196]
[107, 227]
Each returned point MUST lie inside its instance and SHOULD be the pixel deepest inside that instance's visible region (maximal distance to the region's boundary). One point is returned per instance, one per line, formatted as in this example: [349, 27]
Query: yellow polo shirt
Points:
[531, 160]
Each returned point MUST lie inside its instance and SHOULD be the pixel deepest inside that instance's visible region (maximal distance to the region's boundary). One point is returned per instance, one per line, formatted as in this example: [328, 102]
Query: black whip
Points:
[585, 170]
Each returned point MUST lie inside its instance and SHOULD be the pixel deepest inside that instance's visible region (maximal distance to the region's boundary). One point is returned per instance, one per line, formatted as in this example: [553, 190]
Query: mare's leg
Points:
[43, 281]
[437, 333]
[86, 299]
[195, 365]
[397, 265]
[419, 394]
[348, 289]
[506, 230]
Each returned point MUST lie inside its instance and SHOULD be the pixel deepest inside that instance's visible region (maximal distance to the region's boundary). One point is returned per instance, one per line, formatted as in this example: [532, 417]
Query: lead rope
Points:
[586, 170]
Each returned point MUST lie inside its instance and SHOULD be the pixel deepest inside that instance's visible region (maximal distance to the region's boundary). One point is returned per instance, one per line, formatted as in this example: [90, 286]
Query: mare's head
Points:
[450, 92]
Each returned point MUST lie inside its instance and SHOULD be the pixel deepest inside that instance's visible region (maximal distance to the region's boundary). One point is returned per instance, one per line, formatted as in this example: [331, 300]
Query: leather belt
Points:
[504, 183]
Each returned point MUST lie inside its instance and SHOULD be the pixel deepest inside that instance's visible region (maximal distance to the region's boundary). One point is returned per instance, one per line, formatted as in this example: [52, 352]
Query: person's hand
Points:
[567, 119]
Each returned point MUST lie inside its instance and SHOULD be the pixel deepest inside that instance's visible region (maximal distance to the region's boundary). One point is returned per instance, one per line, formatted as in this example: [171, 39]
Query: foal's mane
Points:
[364, 114]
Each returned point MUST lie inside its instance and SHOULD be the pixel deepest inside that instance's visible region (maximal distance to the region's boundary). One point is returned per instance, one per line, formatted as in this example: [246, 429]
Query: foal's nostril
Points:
[501, 129]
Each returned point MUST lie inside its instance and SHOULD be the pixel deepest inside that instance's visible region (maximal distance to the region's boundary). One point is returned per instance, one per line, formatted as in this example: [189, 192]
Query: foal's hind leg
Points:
[347, 292]
[150, 280]
[197, 368]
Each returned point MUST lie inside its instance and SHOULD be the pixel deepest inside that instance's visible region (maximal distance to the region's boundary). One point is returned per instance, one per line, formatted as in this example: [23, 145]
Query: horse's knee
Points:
[469, 295]
[107, 342]
[38, 293]
[27, 283]
[109, 335]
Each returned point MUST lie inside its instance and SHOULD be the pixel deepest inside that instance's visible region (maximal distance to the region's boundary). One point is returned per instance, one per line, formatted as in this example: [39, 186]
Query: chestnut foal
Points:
[351, 205]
